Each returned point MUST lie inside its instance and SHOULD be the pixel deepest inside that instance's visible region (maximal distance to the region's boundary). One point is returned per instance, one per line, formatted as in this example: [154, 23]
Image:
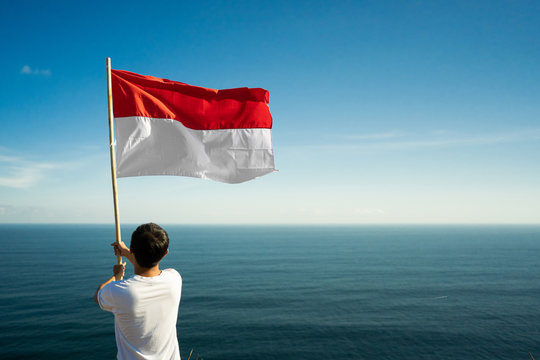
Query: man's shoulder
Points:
[125, 285]
[172, 277]
[172, 272]
[119, 285]
[109, 294]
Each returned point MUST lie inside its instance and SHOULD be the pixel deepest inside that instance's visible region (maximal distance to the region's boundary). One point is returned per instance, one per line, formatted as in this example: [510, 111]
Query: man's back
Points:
[145, 313]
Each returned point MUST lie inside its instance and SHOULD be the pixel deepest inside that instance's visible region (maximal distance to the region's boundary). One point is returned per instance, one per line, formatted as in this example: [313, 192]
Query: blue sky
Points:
[384, 111]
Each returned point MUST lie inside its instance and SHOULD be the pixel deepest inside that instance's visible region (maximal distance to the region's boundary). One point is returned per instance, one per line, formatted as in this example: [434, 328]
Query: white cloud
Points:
[27, 70]
[447, 140]
[20, 173]
[24, 214]
[402, 141]
[4, 158]
[377, 136]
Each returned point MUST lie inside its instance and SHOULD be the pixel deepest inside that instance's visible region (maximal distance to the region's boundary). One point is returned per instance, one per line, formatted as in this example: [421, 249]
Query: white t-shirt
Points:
[145, 311]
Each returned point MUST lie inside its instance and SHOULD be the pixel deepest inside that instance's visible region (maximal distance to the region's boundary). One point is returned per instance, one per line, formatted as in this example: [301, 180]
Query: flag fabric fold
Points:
[165, 127]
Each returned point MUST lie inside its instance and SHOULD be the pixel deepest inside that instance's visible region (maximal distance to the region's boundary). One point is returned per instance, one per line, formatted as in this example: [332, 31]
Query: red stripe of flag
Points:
[195, 107]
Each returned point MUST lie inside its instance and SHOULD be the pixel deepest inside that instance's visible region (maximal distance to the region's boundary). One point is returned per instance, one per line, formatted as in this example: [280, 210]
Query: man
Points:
[145, 306]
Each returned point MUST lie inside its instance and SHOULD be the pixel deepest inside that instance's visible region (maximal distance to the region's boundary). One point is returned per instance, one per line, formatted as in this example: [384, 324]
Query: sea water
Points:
[287, 292]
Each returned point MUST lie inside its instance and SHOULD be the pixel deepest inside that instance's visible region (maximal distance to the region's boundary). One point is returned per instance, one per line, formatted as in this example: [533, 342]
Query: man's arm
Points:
[118, 271]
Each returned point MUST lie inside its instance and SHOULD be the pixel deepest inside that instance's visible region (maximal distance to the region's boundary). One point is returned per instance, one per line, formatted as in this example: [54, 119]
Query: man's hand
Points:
[120, 249]
[119, 271]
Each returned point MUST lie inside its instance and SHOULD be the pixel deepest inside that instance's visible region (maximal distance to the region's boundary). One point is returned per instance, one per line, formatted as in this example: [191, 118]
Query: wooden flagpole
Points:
[113, 158]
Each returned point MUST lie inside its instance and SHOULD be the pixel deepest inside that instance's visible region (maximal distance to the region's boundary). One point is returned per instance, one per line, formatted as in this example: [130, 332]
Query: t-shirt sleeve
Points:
[105, 298]
[177, 277]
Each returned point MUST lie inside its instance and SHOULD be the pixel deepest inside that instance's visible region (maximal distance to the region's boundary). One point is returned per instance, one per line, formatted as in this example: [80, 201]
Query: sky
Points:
[385, 112]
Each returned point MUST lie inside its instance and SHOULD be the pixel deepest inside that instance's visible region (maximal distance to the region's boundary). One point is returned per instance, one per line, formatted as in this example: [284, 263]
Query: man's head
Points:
[149, 244]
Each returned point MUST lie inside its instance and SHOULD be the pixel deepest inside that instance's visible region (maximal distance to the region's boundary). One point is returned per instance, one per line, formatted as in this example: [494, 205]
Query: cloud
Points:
[449, 140]
[4, 158]
[23, 214]
[438, 139]
[27, 70]
[378, 136]
[20, 173]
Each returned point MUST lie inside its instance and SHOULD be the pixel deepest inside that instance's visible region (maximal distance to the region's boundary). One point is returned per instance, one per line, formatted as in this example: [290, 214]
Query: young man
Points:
[145, 306]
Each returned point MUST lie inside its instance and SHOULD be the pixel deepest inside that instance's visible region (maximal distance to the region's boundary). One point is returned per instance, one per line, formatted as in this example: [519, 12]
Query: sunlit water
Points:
[367, 292]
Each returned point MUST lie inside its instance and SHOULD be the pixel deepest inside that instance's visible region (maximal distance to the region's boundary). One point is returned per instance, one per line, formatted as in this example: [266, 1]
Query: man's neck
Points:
[147, 272]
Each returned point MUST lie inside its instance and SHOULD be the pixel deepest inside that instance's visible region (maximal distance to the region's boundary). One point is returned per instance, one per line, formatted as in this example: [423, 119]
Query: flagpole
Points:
[113, 158]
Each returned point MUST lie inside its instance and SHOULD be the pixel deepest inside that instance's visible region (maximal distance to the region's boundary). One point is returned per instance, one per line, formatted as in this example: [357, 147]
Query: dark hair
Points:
[149, 244]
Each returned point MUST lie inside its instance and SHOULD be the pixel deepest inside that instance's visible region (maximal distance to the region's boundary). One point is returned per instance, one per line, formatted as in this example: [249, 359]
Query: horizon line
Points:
[281, 224]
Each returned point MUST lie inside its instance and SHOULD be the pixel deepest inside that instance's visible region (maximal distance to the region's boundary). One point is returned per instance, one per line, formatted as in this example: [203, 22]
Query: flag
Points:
[165, 127]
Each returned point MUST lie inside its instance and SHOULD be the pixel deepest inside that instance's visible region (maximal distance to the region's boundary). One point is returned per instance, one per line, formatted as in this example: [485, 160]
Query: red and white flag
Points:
[165, 127]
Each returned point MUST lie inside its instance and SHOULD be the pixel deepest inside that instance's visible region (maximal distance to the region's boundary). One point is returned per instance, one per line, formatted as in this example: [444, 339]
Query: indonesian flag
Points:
[165, 127]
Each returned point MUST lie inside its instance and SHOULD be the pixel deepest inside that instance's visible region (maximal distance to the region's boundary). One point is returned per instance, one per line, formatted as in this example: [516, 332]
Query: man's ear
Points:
[166, 252]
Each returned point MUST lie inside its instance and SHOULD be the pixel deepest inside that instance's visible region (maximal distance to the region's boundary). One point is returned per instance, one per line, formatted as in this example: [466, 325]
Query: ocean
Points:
[287, 292]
